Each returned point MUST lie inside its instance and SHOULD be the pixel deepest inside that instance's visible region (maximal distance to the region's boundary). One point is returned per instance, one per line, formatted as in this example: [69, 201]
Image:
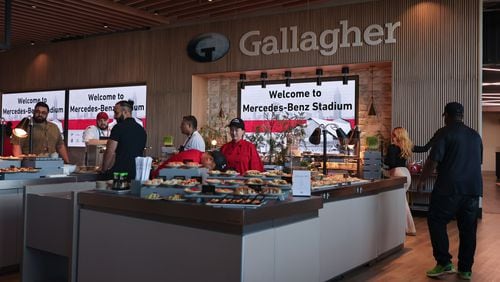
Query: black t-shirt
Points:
[131, 138]
[393, 157]
[458, 150]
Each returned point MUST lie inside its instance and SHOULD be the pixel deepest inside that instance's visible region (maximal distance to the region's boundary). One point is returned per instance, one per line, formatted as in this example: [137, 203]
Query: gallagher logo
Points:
[208, 47]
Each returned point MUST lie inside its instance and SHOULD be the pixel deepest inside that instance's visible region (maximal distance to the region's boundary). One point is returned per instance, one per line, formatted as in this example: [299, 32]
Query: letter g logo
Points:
[208, 47]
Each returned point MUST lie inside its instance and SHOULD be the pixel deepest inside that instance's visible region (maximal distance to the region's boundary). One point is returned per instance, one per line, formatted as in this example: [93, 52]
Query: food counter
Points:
[360, 223]
[11, 221]
[158, 240]
[127, 238]
[11, 212]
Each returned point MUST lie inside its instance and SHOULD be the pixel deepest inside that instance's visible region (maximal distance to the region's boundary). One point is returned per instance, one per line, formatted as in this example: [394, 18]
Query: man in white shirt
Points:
[101, 129]
[194, 141]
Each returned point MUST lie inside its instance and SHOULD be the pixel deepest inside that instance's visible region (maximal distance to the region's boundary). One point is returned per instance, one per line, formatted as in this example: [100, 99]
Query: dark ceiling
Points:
[44, 21]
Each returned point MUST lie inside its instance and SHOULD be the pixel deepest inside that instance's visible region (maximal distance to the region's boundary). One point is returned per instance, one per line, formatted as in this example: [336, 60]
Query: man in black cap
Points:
[457, 154]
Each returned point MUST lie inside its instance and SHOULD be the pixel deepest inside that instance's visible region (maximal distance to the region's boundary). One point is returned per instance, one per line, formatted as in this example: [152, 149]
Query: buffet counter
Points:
[127, 238]
[11, 215]
[360, 223]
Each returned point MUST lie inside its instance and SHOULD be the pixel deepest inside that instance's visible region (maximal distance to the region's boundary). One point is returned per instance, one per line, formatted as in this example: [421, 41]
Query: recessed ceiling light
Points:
[156, 13]
[33, 6]
[32, 42]
[105, 26]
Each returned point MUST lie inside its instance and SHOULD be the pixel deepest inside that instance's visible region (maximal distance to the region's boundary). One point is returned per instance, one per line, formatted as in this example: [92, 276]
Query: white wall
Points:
[491, 139]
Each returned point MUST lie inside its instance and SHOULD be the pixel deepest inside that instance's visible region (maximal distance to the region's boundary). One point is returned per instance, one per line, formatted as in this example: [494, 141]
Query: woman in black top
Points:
[397, 155]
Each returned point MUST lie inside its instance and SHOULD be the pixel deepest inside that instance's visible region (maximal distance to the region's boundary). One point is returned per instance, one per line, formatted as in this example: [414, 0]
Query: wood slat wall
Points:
[436, 59]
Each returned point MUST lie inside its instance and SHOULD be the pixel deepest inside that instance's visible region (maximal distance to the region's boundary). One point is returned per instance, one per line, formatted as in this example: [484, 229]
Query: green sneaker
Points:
[464, 275]
[439, 270]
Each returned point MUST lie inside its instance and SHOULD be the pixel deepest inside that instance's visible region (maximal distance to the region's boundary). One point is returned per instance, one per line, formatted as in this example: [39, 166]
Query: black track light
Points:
[288, 75]
[319, 74]
[345, 72]
[243, 78]
[263, 78]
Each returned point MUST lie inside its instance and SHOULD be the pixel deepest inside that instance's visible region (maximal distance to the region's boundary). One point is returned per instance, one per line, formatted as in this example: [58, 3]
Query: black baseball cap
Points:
[454, 109]
[237, 122]
[219, 160]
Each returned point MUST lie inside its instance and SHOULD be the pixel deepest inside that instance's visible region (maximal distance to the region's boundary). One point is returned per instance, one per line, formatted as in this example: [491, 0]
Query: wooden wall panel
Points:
[436, 59]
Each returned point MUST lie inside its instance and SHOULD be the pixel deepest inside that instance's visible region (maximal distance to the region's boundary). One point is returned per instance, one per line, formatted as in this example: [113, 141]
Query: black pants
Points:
[442, 210]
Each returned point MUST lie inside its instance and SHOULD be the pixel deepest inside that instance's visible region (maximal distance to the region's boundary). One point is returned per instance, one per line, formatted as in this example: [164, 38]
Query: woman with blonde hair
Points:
[398, 152]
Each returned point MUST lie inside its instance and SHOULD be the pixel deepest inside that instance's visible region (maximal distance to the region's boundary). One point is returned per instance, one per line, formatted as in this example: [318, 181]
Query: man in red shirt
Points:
[241, 155]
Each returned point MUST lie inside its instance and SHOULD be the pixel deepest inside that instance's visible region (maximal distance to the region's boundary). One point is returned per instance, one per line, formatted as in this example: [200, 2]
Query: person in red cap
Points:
[240, 154]
[101, 129]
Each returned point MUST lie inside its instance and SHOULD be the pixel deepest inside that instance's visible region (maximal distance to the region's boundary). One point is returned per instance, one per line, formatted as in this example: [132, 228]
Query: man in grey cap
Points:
[457, 154]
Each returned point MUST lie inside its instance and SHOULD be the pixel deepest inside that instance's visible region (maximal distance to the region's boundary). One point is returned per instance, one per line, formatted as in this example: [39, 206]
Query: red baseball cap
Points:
[102, 115]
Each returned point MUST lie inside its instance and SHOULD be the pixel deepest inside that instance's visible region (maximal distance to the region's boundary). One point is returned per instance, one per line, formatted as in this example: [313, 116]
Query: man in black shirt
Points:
[457, 154]
[126, 142]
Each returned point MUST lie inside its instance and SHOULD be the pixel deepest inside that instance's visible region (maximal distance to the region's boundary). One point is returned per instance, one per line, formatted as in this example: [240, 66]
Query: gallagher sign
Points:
[328, 42]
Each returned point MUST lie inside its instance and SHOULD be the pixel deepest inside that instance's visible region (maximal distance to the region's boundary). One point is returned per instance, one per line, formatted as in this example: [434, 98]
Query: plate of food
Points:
[171, 182]
[214, 172]
[223, 190]
[192, 190]
[272, 173]
[232, 182]
[175, 198]
[153, 183]
[10, 158]
[229, 173]
[192, 165]
[253, 173]
[189, 183]
[272, 191]
[214, 181]
[244, 191]
[278, 183]
[254, 181]
[29, 169]
[153, 196]
[236, 202]
[175, 164]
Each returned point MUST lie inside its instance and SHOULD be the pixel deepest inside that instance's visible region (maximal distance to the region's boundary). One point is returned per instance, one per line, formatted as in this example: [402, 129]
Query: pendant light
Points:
[371, 111]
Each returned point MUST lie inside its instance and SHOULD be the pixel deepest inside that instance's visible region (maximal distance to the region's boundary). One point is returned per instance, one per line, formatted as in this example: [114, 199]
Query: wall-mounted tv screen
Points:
[16, 106]
[277, 107]
[85, 104]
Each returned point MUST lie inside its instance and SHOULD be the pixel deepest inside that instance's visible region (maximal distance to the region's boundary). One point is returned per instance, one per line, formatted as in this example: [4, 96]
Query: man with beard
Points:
[126, 142]
[46, 136]
[101, 129]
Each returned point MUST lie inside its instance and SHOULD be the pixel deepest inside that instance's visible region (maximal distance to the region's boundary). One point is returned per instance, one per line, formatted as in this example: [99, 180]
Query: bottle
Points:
[124, 180]
[116, 181]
